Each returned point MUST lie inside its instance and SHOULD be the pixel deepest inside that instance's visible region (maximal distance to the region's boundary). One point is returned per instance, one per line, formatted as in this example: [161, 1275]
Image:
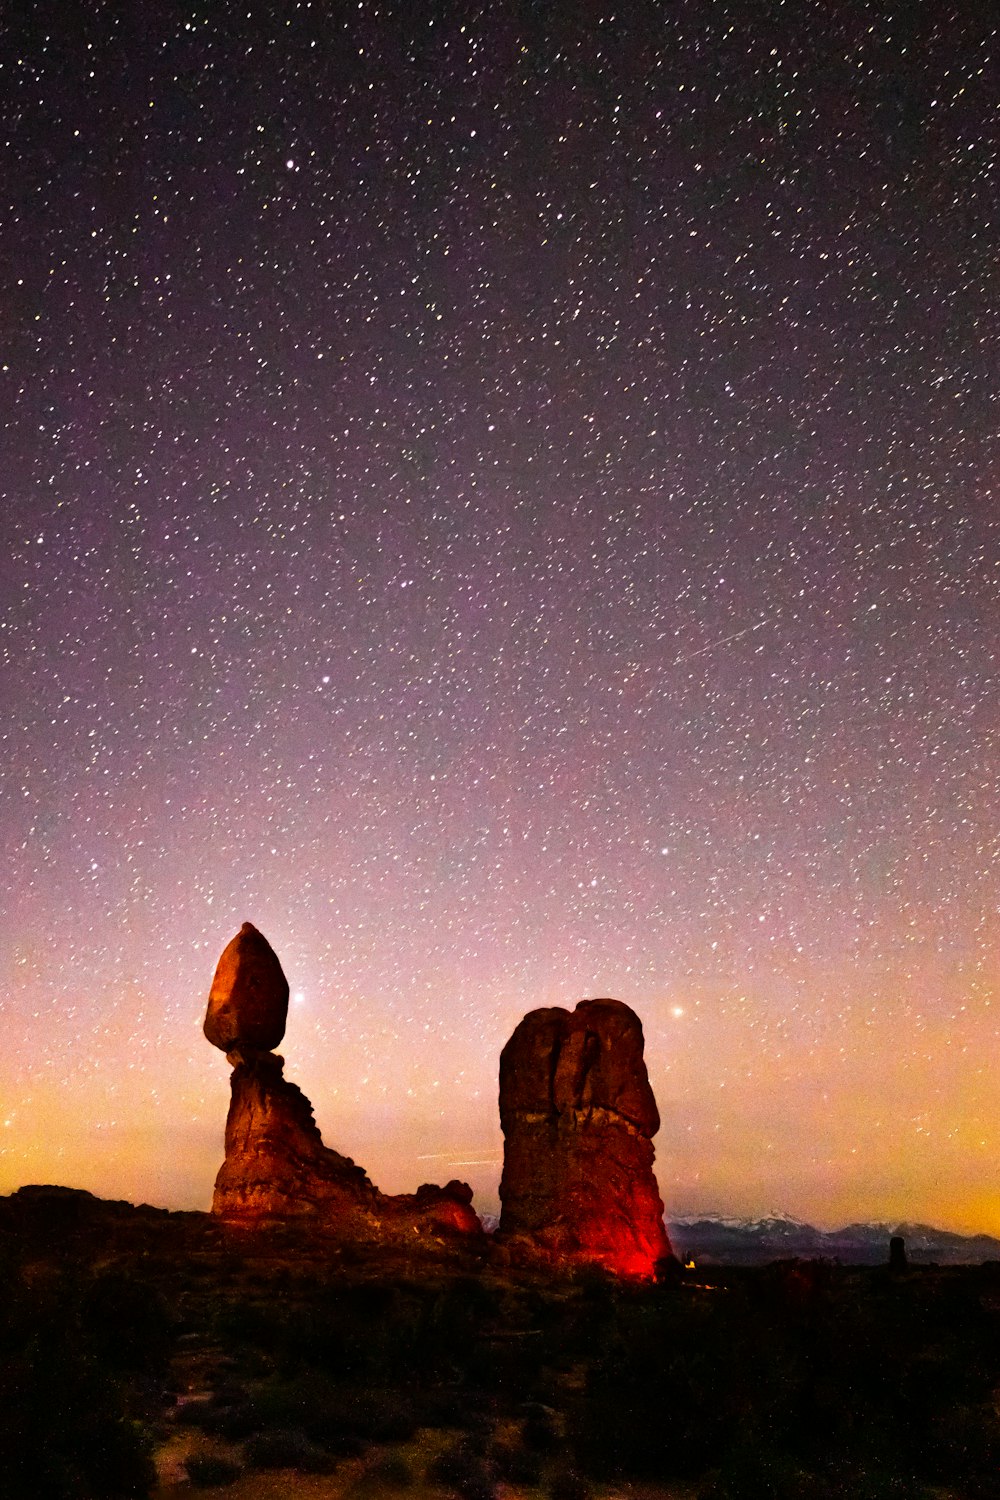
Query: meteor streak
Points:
[737, 635]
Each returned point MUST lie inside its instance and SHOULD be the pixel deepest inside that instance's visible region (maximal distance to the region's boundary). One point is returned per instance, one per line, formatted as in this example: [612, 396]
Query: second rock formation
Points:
[578, 1117]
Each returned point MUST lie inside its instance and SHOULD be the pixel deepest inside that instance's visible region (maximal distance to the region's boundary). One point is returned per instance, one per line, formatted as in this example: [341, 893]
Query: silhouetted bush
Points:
[750, 1474]
[381, 1415]
[568, 1484]
[464, 1469]
[66, 1428]
[126, 1322]
[538, 1433]
[447, 1406]
[964, 1444]
[340, 1419]
[344, 1444]
[232, 1421]
[286, 1449]
[206, 1470]
[393, 1472]
[516, 1465]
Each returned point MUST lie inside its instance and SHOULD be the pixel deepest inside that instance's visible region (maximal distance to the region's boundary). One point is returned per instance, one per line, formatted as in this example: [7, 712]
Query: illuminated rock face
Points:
[578, 1117]
[276, 1165]
[248, 1001]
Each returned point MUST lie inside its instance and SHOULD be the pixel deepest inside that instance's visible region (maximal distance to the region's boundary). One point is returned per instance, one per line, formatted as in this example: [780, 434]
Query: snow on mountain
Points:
[723, 1238]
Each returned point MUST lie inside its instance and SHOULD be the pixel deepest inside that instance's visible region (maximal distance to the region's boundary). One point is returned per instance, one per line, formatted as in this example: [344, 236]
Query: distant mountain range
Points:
[721, 1239]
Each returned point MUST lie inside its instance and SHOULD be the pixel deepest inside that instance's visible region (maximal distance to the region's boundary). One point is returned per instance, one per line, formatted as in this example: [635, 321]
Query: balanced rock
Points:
[578, 1117]
[276, 1165]
[248, 1001]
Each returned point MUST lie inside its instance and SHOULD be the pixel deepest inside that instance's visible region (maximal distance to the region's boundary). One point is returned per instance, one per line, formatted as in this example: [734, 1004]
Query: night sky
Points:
[503, 498]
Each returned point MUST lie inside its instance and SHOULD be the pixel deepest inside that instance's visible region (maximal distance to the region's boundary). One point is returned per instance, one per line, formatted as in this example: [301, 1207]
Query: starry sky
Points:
[503, 498]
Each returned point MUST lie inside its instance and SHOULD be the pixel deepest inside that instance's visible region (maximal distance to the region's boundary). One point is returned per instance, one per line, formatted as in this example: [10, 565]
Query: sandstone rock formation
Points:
[248, 1001]
[276, 1165]
[578, 1117]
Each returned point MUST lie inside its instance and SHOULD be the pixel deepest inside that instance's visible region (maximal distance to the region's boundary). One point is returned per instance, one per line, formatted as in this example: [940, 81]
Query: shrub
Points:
[343, 1444]
[126, 1322]
[65, 1431]
[287, 1449]
[445, 1406]
[383, 1416]
[233, 1421]
[748, 1474]
[516, 1465]
[205, 1470]
[567, 1484]
[462, 1469]
[191, 1413]
[393, 1471]
[539, 1434]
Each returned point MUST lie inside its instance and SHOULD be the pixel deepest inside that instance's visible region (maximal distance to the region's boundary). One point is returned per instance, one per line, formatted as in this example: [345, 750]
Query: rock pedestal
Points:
[276, 1165]
[578, 1117]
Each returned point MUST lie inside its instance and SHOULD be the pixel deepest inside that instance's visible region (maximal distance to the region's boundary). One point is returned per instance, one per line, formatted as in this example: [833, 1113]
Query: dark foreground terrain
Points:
[142, 1352]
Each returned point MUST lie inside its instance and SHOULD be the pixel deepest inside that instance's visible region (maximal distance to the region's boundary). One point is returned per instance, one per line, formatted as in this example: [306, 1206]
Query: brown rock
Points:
[248, 1001]
[434, 1210]
[578, 1117]
[276, 1165]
